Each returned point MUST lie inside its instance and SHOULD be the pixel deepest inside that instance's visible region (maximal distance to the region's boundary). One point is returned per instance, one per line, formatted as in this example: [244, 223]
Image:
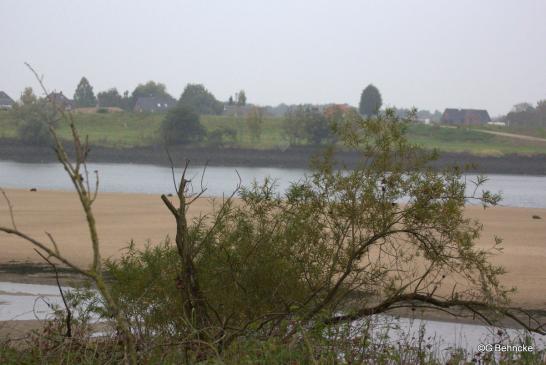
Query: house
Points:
[153, 104]
[5, 101]
[332, 110]
[60, 100]
[465, 116]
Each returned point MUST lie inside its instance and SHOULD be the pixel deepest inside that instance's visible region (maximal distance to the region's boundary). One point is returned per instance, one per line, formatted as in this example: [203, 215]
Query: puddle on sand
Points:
[32, 301]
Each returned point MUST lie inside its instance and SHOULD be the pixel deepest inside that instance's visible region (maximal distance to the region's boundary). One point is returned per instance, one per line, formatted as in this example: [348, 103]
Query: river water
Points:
[517, 190]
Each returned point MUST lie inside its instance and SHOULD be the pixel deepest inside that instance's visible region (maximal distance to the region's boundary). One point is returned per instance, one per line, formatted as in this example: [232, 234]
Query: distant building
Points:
[341, 109]
[153, 104]
[5, 101]
[465, 116]
[60, 100]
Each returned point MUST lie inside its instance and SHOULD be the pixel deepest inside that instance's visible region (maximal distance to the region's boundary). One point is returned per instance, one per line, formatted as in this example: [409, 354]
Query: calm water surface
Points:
[517, 190]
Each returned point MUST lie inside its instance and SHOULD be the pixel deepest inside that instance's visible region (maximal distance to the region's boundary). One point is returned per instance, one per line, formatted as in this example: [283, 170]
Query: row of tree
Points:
[195, 96]
[303, 124]
[527, 116]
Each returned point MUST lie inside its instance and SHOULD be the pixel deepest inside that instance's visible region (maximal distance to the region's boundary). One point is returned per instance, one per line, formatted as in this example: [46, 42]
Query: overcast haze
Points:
[430, 54]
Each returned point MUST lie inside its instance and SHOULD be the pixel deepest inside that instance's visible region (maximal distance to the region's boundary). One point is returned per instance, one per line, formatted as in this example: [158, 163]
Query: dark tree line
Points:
[527, 115]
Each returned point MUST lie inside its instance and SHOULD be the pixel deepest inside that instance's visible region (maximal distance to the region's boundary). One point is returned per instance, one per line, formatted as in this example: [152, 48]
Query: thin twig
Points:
[10, 207]
[68, 312]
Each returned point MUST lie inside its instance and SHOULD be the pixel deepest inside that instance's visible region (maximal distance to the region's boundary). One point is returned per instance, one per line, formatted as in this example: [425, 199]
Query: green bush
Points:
[182, 126]
[305, 123]
[34, 132]
[33, 121]
[222, 136]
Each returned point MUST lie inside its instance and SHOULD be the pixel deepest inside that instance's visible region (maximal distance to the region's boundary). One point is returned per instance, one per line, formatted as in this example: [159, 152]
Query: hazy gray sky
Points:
[430, 54]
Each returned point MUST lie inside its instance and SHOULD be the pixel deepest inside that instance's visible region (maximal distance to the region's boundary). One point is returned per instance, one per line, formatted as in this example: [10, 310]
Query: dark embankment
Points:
[293, 157]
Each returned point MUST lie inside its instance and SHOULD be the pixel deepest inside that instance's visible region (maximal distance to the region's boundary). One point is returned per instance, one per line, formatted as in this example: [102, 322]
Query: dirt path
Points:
[513, 135]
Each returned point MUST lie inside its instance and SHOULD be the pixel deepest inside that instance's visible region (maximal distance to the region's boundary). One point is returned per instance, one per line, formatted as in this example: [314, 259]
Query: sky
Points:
[487, 54]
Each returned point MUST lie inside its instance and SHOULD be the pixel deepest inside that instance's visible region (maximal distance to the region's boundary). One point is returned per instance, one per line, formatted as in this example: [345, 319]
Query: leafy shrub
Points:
[306, 123]
[34, 132]
[254, 121]
[34, 118]
[222, 136]
[182, 126]
[199, 99]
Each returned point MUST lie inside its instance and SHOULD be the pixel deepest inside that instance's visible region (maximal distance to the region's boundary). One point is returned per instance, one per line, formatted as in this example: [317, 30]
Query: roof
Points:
[154, 103]
[5, 100]
[61, 100]
[465, 116]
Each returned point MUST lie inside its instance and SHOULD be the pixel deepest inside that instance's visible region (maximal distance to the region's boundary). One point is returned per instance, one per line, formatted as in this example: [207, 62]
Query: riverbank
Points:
[291, 157]
[143, 218]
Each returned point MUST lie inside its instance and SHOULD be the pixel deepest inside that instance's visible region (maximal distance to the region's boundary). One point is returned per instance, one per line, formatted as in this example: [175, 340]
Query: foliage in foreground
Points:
[49, 346]
[272, 270]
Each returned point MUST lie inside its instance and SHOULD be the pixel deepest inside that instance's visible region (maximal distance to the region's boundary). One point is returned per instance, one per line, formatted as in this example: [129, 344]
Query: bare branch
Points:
[68, 312]
[10, 207]
[46, 249]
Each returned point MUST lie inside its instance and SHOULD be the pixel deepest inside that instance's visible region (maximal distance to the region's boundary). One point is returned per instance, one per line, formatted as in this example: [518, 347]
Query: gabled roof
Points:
[154, 103]
[61, 100]
[465, 116]
[5, 100]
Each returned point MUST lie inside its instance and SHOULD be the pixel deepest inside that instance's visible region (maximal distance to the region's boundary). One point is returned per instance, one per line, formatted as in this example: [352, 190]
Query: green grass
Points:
[272, 136]
[116, 129]
[124, 130]
[468, 140]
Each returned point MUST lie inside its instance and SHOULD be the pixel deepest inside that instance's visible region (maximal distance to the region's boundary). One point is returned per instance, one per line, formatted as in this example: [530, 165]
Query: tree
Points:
[110, 98]
[127, 102]
[28, 97]
[182, 126]
[317, 127]
[370, 101]
[254, 121]
[230, 100]
[84, 96]
[522, 107]
[151, 88]
[198, 98]
[34, 116]
[241, 98]
[337, 247]
[294, 125]
[524, 115]
[50, 250]
[222, 136]
[306, 122]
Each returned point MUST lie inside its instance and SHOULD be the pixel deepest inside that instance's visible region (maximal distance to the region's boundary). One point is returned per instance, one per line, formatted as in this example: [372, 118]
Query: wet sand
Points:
[144, 218]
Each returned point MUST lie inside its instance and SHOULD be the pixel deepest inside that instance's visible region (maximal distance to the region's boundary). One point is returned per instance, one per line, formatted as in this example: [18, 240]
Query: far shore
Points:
[290, 157]
[144, 219]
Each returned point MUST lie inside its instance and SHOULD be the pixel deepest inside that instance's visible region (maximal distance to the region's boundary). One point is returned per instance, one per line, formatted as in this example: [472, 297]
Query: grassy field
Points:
[133, 129]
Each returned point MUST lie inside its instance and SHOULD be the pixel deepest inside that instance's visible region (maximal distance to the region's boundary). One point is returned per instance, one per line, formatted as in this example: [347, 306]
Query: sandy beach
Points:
[143, 218]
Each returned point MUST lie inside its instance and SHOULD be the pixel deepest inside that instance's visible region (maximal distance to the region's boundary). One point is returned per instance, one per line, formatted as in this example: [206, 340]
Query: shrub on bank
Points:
[182, 126]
